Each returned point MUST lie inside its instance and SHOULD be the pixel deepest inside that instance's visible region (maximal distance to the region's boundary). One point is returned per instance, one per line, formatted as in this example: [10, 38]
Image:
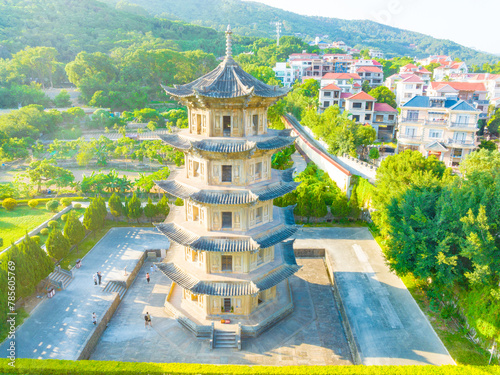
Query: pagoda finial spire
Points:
[229, 52]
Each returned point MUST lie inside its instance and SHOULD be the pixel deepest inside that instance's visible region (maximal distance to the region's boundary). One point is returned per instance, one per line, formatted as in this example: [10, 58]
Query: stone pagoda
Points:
[228, 257]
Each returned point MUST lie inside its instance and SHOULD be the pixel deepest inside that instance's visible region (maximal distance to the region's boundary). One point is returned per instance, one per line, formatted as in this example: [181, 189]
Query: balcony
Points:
[410, 138]
[462, 125]
[461, 142]
[412, 120]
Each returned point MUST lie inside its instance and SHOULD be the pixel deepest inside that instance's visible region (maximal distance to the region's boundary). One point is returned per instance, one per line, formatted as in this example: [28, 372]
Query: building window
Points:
[227, 220]
[356, 105]
[355, 118]
[457, 152]
[379, 118]
[410, 132]
[433, 133]
[412, 115]
[408, 95]
[227, 173]
[327, 93]
[391, 117]
[408, 87]
[255, 122]
[227, 262]
[368, 117]
[326, 104]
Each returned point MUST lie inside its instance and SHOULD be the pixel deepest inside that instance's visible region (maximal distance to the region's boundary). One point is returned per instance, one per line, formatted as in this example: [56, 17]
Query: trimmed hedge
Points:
[63, 367]
[24, 202]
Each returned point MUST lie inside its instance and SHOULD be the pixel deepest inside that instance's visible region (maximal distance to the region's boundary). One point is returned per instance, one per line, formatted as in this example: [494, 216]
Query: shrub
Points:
[33, 203]
[36, 239]
[9, 204]
[179, 202]
[65, 202]
[77, 205]
[374, 153]
[52, 205]
[64, 217]
[52, 224]
[44, 231]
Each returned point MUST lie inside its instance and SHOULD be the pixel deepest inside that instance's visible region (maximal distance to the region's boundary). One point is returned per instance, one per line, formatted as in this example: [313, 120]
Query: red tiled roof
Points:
[371, 69]
[341, 76]
[345, 95]
[356, 85]
[412, 79]
[362, 96]
[331, 86]
[460, 86]
[383, 107]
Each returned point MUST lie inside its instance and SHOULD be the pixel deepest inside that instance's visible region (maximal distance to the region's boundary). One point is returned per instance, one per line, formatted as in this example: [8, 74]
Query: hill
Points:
[255, 19]
[72, 26]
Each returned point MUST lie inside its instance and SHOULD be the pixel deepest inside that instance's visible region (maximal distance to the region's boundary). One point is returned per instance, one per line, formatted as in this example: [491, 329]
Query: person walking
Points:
[99, 276]
[149, 319]
[94, 318]
[151, 269]
[95, 279]
[147, 277]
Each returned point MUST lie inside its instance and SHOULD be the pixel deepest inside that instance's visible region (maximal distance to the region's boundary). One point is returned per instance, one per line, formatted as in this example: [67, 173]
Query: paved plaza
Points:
[59, 327]
[389, 327]
[311, 335]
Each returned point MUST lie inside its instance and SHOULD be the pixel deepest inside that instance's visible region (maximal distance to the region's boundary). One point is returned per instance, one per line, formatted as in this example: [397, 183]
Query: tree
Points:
[374, 153]
[134, 208]
[162, 206]
[481, 160]
[126, 208]
[43, 172]
[57, 245]
[383, 95]
[62, 99]
[115, 205]
[74, 230]
[91, 219]
[150, 210]
[488, 145]
[365, 135]
[365, 86]
[179, 202]
[32, 203]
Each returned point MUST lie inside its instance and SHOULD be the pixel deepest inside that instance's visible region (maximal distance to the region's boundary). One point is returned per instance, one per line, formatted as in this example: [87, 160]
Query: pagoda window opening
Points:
[198, 124]
[255, 121]
[258, 215]
[258, 171]
[227, 263]
[260, 256]
[226, 126]
[227, 173]
[227, 220]
[196, 169]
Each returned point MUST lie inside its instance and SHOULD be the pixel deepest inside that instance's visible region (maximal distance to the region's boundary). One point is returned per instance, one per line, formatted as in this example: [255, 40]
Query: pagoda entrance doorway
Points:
[198, 124]
[255, 122]
[227, 263]
[226, 126]
[227, 305]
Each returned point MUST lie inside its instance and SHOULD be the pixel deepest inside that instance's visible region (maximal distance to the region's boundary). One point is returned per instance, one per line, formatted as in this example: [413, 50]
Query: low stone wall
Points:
[94, 337]
[309, 253]
[135, 271]
[351, 338]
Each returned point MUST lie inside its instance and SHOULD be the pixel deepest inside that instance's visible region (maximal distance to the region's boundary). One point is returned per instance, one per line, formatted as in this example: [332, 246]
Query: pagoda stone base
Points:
[192, 316]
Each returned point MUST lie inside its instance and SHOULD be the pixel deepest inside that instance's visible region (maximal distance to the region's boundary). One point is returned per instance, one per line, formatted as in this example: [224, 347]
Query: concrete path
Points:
[311, 335]
[299, 163]
[389, 327]
[59, 327]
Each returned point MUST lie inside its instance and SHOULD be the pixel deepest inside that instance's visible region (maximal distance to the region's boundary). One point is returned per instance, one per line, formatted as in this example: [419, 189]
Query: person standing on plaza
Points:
[151, 269]
[95, 279]
[94, 318]
[99, 276]
[147, 277]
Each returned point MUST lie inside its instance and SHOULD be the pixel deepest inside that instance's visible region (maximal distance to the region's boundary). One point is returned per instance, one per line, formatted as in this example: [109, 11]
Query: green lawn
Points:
[14, 224]
[89, 242]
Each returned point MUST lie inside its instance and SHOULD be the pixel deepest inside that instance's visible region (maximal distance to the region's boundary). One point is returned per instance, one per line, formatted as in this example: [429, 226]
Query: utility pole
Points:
[278, 31]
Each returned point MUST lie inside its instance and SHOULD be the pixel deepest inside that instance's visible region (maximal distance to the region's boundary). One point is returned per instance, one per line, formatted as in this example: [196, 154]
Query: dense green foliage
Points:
[444, 229]
[73, 230]
[57, 245]
[383, 95]
[255, 19]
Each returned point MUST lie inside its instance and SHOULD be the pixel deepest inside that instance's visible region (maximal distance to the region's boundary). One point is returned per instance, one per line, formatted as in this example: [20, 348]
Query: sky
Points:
[470, 23]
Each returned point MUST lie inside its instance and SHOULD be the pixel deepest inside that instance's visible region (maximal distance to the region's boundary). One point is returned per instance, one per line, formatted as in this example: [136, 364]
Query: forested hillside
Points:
[254, 19]
[72, 26]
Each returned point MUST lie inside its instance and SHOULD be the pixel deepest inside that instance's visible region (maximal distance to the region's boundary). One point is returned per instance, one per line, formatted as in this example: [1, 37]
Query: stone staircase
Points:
[60, 278]
[119, 287]
[225, 339]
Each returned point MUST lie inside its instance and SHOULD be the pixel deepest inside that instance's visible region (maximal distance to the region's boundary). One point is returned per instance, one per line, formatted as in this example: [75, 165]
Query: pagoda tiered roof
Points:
[227, 146]
[234, 288]
[218, 243]
[231, 196]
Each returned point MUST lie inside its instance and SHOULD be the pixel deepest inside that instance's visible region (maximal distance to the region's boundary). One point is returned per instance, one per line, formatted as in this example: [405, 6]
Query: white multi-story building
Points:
[419, 71]
[284, 73]
[376, 54]
[346, 81]
[449, 68]
[407, 88]
[372, 74]
[361, 106]
[473, 93]
[440, 126]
